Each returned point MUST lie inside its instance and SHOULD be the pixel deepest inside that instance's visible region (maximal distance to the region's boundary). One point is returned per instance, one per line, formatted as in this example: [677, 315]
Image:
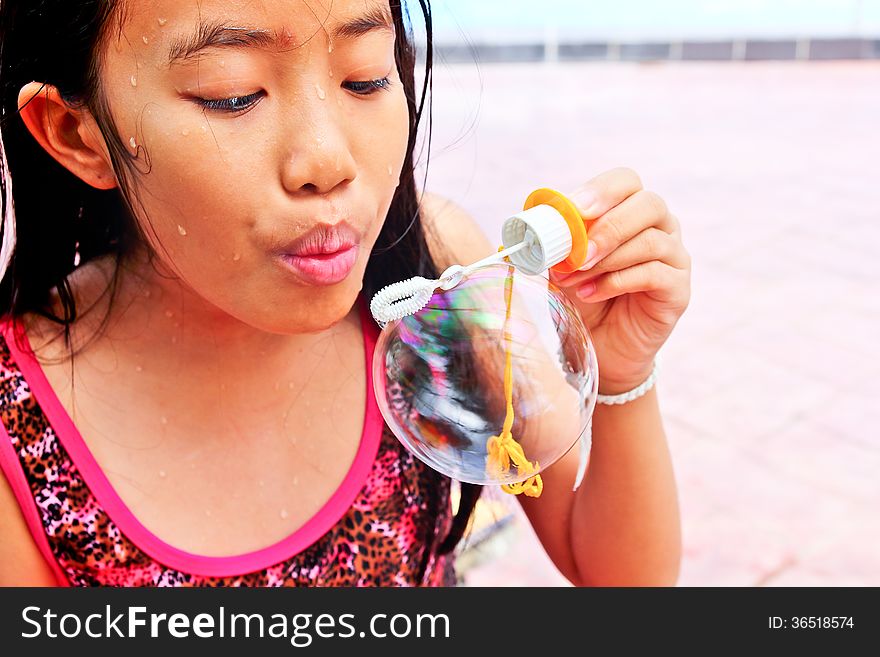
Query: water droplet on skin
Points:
[134, 81]
[132, 143]
[204, 128]
[169, 313]
[162, 473]
[330, 47]
[338, 163]
[320, 91]
[390, 170]
[185, 132]
[181, 230]
[236, 257]
[222, 63]
[162, 22]
[164, 420]
[146, 40]
[283, 513]
[139, 368]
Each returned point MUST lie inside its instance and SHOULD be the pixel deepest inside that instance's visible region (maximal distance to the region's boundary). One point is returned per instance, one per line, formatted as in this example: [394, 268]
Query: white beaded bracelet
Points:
[635, 393]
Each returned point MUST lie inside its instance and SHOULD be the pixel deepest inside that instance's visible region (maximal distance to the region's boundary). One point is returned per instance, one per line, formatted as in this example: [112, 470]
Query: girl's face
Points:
[253, 124]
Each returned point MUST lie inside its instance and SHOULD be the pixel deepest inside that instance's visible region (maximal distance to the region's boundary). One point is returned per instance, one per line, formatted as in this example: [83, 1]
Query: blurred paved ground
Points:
[770, 380]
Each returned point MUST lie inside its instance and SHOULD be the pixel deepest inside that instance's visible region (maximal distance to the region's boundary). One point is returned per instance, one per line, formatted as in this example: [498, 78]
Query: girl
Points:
[205, 194]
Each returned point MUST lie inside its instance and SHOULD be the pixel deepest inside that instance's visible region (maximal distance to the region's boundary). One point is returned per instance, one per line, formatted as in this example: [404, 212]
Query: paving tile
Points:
[806, 453]
[721, 551]
[758, 402]
[781, 341]
[851, 559]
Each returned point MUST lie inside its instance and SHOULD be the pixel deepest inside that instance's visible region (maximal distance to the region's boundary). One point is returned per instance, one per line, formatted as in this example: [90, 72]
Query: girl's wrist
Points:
[618, 387]
[618, 392]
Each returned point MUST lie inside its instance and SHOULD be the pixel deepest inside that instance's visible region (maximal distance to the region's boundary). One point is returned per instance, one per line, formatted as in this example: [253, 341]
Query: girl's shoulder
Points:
[21, 562]
[453, 235]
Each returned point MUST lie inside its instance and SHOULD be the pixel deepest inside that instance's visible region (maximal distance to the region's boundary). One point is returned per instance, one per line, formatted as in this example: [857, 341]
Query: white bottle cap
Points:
[547, 232]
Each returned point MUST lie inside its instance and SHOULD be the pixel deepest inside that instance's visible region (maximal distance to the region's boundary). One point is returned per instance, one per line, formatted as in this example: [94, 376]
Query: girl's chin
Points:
[316, 316]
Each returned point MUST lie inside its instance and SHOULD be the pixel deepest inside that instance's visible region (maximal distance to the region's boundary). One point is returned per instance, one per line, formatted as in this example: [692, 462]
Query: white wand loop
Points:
[408, 297]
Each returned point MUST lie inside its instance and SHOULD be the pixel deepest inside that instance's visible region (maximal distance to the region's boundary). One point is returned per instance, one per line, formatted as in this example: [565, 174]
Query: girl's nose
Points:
[319, 157]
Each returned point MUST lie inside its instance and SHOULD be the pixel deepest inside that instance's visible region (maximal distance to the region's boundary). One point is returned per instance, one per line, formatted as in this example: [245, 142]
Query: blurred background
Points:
[757, 121]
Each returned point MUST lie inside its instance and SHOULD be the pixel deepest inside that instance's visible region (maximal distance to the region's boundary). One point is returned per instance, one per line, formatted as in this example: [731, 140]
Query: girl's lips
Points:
[322, 269]
[323, 239]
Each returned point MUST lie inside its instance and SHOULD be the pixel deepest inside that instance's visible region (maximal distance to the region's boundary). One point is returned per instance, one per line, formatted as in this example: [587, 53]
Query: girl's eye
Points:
[232, 105]
[239, 104]
[369, 86]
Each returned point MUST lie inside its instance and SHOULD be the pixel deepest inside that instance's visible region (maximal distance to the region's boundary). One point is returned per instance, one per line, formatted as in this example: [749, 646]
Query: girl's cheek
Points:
[181, 150]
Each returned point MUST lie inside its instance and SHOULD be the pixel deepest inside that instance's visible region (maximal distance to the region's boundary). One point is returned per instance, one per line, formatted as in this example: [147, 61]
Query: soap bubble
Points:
[439, 376]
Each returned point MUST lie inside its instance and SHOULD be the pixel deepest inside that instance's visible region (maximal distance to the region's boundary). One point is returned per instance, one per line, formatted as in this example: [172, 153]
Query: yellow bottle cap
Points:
[564, 206]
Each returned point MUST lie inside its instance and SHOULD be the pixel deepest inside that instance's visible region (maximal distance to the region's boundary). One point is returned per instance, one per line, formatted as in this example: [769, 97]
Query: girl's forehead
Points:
[293, 21]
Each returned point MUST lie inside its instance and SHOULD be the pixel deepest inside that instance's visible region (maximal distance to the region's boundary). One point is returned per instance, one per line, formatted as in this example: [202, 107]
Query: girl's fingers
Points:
[620, 224]
[606, 191]
[658, 278]
[650, 244]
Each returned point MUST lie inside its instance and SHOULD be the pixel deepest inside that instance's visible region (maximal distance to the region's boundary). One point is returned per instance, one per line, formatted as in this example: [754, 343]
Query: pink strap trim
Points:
[11, 467]
[302, 538]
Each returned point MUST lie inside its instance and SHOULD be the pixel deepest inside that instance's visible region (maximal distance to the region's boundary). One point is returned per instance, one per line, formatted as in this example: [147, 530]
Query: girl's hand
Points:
[636, 281]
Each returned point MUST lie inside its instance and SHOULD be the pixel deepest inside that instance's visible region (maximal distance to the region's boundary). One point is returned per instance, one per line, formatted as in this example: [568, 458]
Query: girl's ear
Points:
[70, 135]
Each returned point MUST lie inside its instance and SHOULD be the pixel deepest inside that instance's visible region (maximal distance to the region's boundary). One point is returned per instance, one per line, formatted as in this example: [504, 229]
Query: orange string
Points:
[503, 449]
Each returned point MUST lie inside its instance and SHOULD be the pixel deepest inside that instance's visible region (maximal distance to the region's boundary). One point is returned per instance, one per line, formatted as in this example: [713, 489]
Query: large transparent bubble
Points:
[439, 376]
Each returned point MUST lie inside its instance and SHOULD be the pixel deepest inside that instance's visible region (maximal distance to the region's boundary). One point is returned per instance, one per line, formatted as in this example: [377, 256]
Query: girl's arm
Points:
[622, 526]
[21, 563]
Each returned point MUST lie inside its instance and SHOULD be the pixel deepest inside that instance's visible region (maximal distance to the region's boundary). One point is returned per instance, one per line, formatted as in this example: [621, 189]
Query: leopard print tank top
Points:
[382, 526]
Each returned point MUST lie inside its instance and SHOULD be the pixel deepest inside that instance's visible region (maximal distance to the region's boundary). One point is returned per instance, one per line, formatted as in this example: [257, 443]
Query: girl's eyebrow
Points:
[219, 35]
